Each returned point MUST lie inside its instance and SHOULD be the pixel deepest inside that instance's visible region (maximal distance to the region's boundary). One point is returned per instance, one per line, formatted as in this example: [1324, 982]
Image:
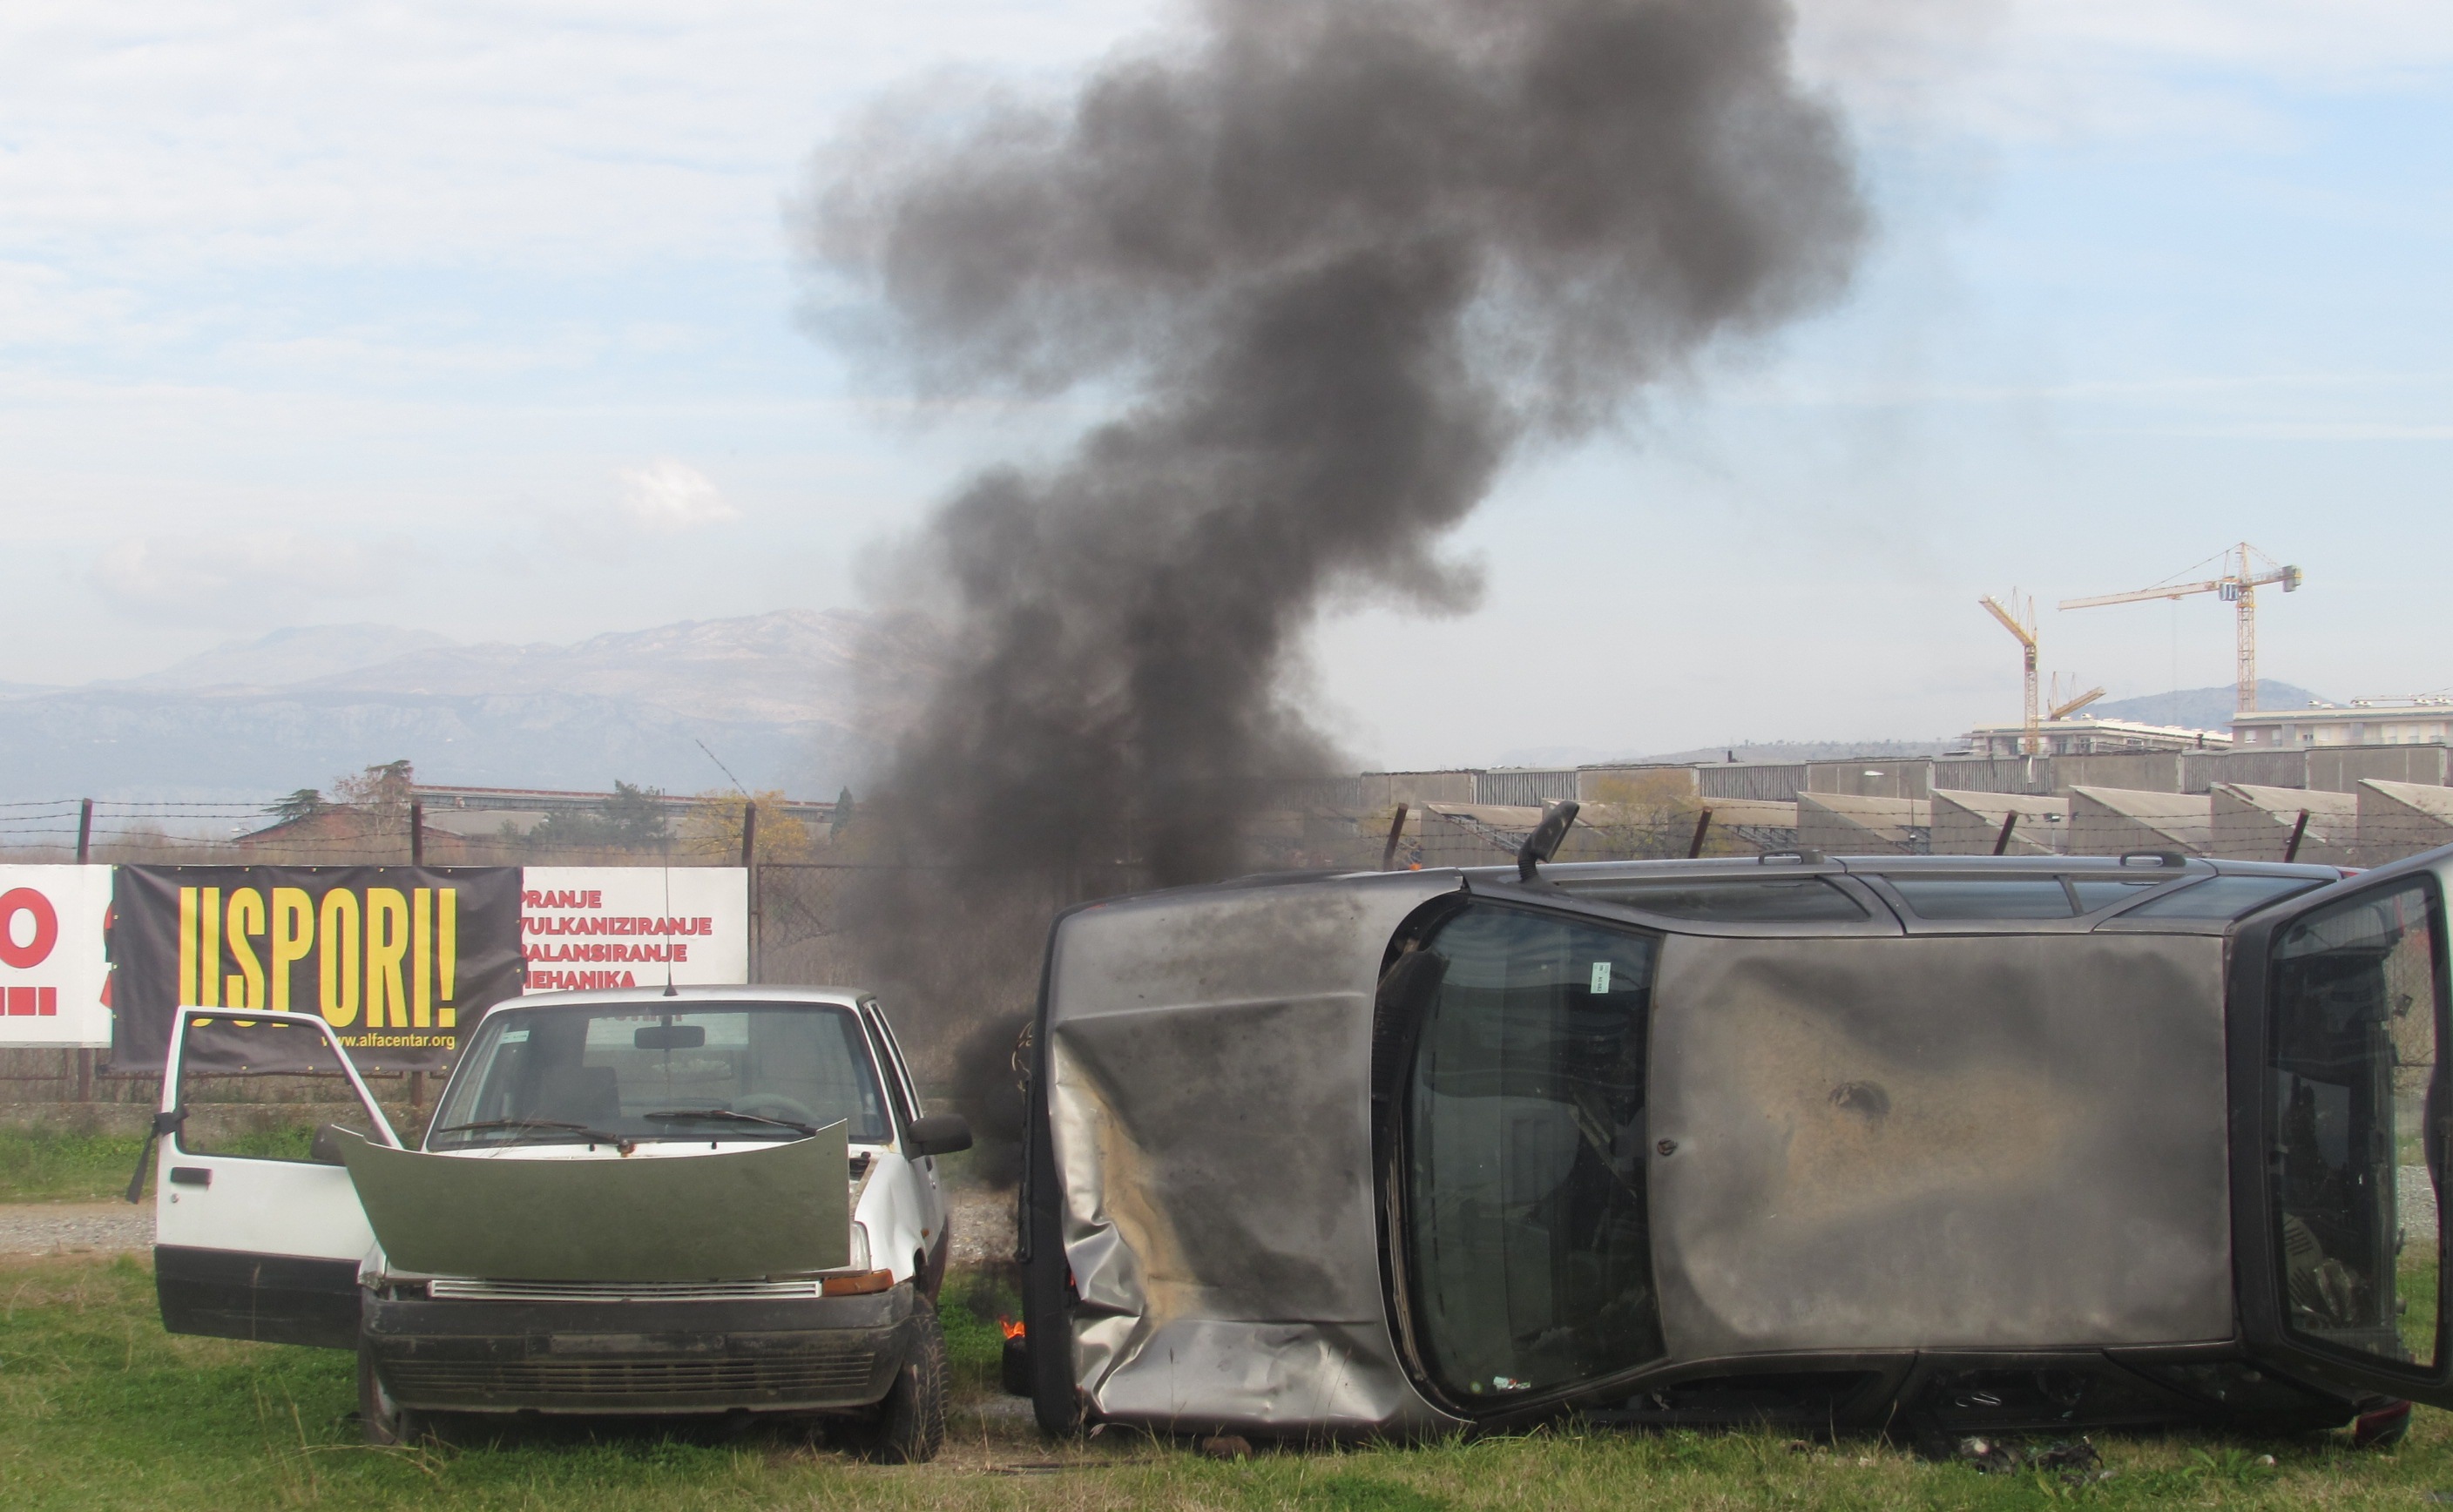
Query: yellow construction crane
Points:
[2032, 743]
[2239, 583]
[2063, 709]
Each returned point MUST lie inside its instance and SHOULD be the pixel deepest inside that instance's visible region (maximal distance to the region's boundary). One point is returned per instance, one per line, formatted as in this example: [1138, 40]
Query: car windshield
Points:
[1529, 1252]
[635, 1072]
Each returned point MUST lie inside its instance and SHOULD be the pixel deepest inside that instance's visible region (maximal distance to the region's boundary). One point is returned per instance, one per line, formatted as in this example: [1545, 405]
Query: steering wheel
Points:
[773, 1104]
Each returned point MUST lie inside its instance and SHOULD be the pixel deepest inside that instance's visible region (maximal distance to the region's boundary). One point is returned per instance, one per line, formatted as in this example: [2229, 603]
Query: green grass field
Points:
[64, 1166]
[100, 1409]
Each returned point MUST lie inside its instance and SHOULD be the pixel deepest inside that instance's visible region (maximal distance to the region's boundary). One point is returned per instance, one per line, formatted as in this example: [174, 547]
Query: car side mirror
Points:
[938, 1134]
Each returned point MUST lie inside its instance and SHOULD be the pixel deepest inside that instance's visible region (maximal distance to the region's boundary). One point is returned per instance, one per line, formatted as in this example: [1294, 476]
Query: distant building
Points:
[2361, 721]
[488, 811]
[2092, 737]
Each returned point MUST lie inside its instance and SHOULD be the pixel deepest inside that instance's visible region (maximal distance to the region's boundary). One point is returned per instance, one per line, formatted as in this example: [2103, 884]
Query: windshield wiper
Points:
[593, 1136]
[728, 1116]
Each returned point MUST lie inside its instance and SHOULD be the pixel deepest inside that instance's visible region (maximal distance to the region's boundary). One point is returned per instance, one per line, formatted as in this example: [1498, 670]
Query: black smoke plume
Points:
[1332, 264]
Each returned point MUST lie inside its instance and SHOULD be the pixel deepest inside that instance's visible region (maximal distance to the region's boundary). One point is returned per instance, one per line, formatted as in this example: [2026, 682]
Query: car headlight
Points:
[859, 1247]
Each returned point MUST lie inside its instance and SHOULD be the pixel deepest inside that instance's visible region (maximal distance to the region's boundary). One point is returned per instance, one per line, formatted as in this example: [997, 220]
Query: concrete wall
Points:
[1772, 782]
[2402, 818]
[2131, 771]
[1525, 785]
[1994, 774]
[1591, 782]
[2200, 771]
[1967, 823]
[2254, 824]
[1872, 779]
[1382, 789]
[1850, 824]
[2341, 769]
[2116, 821]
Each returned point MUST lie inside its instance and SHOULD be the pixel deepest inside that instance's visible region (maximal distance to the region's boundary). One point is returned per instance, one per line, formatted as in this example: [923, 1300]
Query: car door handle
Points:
[192, 1176]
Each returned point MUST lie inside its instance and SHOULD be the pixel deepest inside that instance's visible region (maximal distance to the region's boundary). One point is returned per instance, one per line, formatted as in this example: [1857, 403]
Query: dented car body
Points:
[1939, 1145]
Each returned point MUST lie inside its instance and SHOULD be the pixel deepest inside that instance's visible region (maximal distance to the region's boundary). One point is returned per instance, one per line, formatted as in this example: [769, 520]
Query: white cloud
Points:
[2188, 70]
[670, 496]
[239, 578]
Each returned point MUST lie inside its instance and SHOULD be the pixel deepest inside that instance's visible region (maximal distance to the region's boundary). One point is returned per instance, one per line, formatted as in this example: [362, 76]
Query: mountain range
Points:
[801, 700]
[2203, 707]
[788, 700]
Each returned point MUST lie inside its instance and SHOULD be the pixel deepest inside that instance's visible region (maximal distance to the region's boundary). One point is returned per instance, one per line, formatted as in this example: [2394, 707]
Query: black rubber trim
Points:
[271, 1299]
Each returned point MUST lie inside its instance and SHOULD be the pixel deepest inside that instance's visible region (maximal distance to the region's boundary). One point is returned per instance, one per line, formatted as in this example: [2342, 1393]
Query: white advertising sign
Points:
[52, 969]
[627, 926]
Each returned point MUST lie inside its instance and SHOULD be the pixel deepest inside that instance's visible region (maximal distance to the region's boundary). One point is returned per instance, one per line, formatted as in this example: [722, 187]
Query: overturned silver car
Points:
[1918, 1145]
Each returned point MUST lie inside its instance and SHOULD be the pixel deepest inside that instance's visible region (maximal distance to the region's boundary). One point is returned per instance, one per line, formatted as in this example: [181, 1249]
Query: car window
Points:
[1997, 897]
[1528, 1253]
[562, 1073]
[898, 1086]
[2105, 892]
[2224, 898]
[1776, 899]
[2350, 1076]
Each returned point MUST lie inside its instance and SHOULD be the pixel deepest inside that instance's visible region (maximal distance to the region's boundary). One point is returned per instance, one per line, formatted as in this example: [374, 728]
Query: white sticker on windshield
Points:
[515, 1036]
[1601, 975]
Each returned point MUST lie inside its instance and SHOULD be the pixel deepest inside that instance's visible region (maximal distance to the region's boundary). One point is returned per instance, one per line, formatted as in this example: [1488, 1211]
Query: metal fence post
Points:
[85, 854]
[749, 865]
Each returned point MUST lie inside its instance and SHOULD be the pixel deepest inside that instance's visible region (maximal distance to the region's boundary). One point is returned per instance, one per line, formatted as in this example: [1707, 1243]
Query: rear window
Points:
[2224, 897]
[1951, 897]
[2017, 897]
[1778, 900]
[2105, 892]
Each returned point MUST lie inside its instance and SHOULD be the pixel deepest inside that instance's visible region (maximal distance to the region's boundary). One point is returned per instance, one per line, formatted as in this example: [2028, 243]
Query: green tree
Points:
[632, 819]
[303, 804]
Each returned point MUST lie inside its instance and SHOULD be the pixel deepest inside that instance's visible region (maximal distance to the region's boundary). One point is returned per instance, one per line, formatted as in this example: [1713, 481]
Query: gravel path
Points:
[67, 1228]
[982, 1223]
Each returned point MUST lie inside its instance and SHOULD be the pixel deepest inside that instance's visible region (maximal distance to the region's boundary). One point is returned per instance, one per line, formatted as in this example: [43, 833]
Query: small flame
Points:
[1012, 1327]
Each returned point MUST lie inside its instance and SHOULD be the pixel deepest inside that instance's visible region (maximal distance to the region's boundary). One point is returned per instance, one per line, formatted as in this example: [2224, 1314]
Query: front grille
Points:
[613, 1383]
[474, 1289]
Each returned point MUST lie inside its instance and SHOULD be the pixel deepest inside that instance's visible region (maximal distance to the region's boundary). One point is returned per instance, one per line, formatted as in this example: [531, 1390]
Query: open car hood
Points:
[758, 1212]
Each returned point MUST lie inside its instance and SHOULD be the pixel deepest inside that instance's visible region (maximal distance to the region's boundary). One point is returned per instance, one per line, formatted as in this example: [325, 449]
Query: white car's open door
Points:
[252, 1240]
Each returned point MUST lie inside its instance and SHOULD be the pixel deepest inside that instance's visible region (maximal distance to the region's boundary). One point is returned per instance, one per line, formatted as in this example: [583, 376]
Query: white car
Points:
[626, 1203]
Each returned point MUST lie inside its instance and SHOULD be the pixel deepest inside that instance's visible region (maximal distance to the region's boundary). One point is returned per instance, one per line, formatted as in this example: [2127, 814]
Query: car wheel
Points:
[909, 1424]
[382, 1420]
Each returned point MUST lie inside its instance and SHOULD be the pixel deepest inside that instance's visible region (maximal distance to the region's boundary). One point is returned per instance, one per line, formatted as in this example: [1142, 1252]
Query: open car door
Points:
[252, 1240]
[2338, 1110]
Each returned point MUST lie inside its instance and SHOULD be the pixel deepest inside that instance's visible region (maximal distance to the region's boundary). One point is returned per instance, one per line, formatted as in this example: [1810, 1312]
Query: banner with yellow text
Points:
[397, 959]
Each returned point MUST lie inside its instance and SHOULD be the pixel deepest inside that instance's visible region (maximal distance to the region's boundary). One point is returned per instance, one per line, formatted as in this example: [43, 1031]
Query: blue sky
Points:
[483, 319]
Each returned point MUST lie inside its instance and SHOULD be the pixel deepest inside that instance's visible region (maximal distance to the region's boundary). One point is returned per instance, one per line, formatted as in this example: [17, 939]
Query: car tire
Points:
[383, 1421]
[909, 1426]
